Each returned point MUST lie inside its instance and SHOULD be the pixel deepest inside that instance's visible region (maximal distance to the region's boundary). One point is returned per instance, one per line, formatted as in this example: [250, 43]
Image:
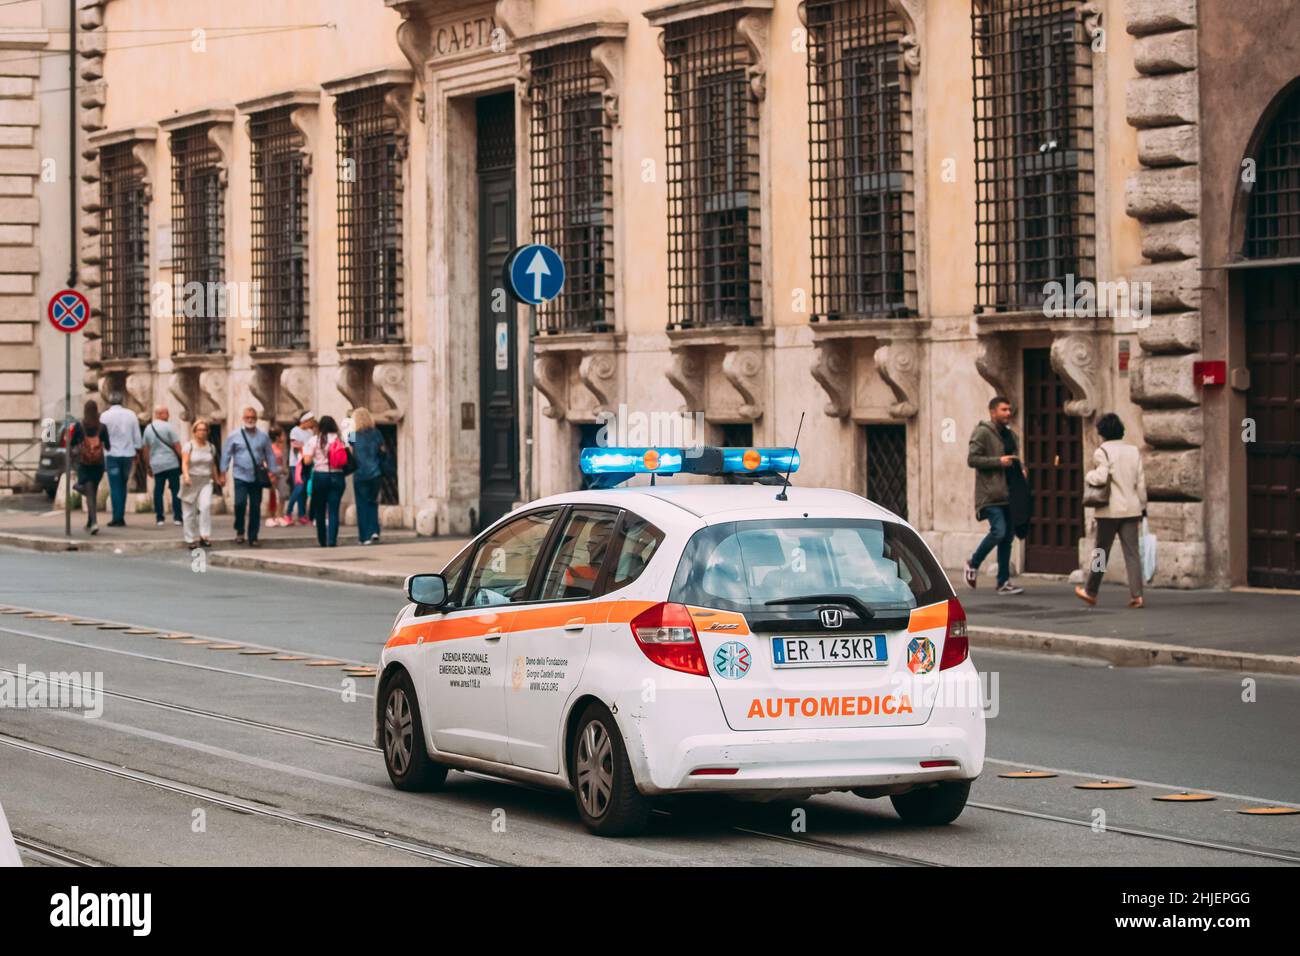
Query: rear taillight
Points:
[956, 647]
[666, 634]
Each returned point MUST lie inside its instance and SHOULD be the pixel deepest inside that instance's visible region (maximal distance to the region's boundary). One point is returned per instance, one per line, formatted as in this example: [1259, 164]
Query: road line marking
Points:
[1144, 783]
[168, 660]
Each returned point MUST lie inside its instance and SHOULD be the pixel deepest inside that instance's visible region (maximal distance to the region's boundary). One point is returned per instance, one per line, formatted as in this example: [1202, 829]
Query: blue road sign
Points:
[68, 311]
[536, 274]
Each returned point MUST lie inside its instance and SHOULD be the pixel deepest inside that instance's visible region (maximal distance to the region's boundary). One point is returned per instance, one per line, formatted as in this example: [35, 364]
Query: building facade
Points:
[851, 220]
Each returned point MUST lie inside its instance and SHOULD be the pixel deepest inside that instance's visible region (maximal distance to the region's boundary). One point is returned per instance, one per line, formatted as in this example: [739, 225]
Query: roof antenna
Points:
[782, 495]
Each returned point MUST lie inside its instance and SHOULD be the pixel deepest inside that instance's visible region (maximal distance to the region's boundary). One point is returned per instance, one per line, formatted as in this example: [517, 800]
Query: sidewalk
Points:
[1239, 630]
[43, 531]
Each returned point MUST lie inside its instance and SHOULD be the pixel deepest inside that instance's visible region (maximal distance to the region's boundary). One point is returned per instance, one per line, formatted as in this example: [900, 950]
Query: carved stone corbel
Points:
[752, 28]
[139, 392]
[295, 389]
[832, 370]
[415, 39]
[549, 378]
[262, 386]
[515, 17]
[212, 393]
[351, 383]
[397, 103]
[1091, 13]
[899, 364]
[180, 389]
[221, 136]
[301, 118]
[743, 368]
[389, 379]
[995, 362]
[608, 57]
[143, 151]
[1076, 359]
[686, 374]
[598, 372]
[910, 47]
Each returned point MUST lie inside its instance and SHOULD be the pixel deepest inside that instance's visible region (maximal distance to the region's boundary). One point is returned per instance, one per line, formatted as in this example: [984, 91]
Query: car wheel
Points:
[934, 805]
[405, 756]
[603, 787]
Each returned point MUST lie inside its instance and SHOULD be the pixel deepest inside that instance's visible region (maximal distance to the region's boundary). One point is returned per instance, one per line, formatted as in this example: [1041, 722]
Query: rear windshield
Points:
[742, 565]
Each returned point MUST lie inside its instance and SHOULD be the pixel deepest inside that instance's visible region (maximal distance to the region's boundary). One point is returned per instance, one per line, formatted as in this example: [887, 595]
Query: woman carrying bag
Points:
[332, 461]
[1117, 489]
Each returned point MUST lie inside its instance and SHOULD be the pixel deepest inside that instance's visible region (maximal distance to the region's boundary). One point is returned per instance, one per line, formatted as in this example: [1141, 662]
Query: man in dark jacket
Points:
[994, 452]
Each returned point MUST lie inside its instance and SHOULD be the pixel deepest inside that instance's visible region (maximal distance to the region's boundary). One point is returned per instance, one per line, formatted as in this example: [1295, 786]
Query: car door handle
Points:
[493, 634]
[575, 624]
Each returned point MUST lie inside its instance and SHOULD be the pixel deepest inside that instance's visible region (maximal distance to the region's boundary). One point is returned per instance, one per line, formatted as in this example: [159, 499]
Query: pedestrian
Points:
[994, 453]
[300, 467]
[122, 431]
[328, 456]
[248, 458]
[279, 492]
[371, 453]
[164, 463]
[198, 472]
[87, 444]
[1120, 496]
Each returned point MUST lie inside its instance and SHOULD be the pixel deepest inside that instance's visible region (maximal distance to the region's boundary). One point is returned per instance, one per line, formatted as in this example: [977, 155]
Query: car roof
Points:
[724, 502]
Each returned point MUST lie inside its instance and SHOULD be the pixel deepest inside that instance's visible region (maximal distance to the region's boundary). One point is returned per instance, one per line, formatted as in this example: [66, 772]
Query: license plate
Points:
[860, 649]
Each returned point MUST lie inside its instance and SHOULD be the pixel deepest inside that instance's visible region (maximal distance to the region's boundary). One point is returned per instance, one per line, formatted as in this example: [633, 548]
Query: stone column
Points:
[1164, 196]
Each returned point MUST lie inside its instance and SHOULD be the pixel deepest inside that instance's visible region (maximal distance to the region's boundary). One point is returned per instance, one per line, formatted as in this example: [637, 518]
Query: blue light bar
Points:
[631, 461]
[759, 461]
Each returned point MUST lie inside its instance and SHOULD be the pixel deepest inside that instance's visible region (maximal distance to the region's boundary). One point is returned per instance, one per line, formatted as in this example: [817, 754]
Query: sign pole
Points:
[67, 437]
[528, 391]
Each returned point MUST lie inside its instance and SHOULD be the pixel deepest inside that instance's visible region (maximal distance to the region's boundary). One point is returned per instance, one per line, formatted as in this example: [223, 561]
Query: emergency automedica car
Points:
[741, 636]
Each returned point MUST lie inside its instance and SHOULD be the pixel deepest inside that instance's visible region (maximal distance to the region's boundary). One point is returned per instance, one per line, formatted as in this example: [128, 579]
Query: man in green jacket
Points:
[994, 449]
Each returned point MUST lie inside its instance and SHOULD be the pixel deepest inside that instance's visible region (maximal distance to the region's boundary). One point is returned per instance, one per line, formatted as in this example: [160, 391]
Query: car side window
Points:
[574, 571]
[502, 565]
[639, 540]
[452, 572]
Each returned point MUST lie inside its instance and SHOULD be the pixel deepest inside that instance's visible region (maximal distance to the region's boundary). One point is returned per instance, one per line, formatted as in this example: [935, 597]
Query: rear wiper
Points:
[848, 600]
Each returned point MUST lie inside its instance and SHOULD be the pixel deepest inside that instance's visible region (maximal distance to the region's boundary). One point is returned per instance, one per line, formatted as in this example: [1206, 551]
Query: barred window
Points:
[279, 231]
[1035, 218]
[1273, 225]
[714, 238]
[572, 186]
[860, 161]
[371, 149]
[124, 246]
[199, 243]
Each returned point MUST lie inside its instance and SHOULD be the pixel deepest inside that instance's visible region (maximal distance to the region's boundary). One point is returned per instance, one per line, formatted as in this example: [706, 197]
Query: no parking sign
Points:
[69, 311]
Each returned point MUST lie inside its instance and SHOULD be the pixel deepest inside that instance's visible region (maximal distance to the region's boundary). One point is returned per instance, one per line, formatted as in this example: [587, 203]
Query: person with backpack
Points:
[87, 444]
[332, 460]
[247, 456]
[164, 463]
[371, 454]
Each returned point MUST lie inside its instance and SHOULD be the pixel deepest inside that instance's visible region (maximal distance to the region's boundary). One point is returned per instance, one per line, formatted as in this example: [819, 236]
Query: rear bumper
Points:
[807, 760]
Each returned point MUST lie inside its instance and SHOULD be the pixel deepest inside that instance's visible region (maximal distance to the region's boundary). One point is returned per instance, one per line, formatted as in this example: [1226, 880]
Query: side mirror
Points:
[429, 590]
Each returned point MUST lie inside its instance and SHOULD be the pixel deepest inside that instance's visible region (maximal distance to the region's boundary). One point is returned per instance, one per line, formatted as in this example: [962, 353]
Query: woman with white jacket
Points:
[1119, 467]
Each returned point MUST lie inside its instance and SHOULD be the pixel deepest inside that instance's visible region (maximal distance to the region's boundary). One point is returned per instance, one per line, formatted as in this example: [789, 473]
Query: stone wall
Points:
[20, 213]
[1164, 197]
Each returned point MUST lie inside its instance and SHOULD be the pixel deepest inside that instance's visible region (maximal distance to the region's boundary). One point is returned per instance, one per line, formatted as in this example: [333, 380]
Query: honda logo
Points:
[832, 617]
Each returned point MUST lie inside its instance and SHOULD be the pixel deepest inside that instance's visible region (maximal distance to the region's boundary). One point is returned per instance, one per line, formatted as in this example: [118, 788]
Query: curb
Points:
[35, 542]
[1132, 653]
[240, 561]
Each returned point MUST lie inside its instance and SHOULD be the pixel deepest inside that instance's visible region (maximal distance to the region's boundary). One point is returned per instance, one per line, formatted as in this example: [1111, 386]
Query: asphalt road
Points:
[206, 756]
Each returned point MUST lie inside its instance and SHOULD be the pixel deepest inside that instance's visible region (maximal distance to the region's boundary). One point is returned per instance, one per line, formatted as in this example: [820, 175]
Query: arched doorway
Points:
[1271, 311]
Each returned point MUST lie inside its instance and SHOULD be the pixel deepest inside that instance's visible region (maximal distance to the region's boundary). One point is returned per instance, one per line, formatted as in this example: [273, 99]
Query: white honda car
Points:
[745, 637]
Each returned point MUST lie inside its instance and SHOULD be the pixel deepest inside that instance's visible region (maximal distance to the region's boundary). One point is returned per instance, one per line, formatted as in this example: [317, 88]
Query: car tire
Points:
[604, 789]
[933, 806]
[405, 757]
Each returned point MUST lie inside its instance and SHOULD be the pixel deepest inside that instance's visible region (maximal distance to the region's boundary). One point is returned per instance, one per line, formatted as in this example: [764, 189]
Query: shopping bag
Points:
[1147, 549]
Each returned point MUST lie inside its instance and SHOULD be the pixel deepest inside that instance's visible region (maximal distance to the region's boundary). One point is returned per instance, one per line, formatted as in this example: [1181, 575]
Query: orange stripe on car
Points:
[930, 616]
[713, 621]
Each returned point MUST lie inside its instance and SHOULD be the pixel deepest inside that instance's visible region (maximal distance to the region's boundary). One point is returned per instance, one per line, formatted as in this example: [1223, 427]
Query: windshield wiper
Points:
[848, 600]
